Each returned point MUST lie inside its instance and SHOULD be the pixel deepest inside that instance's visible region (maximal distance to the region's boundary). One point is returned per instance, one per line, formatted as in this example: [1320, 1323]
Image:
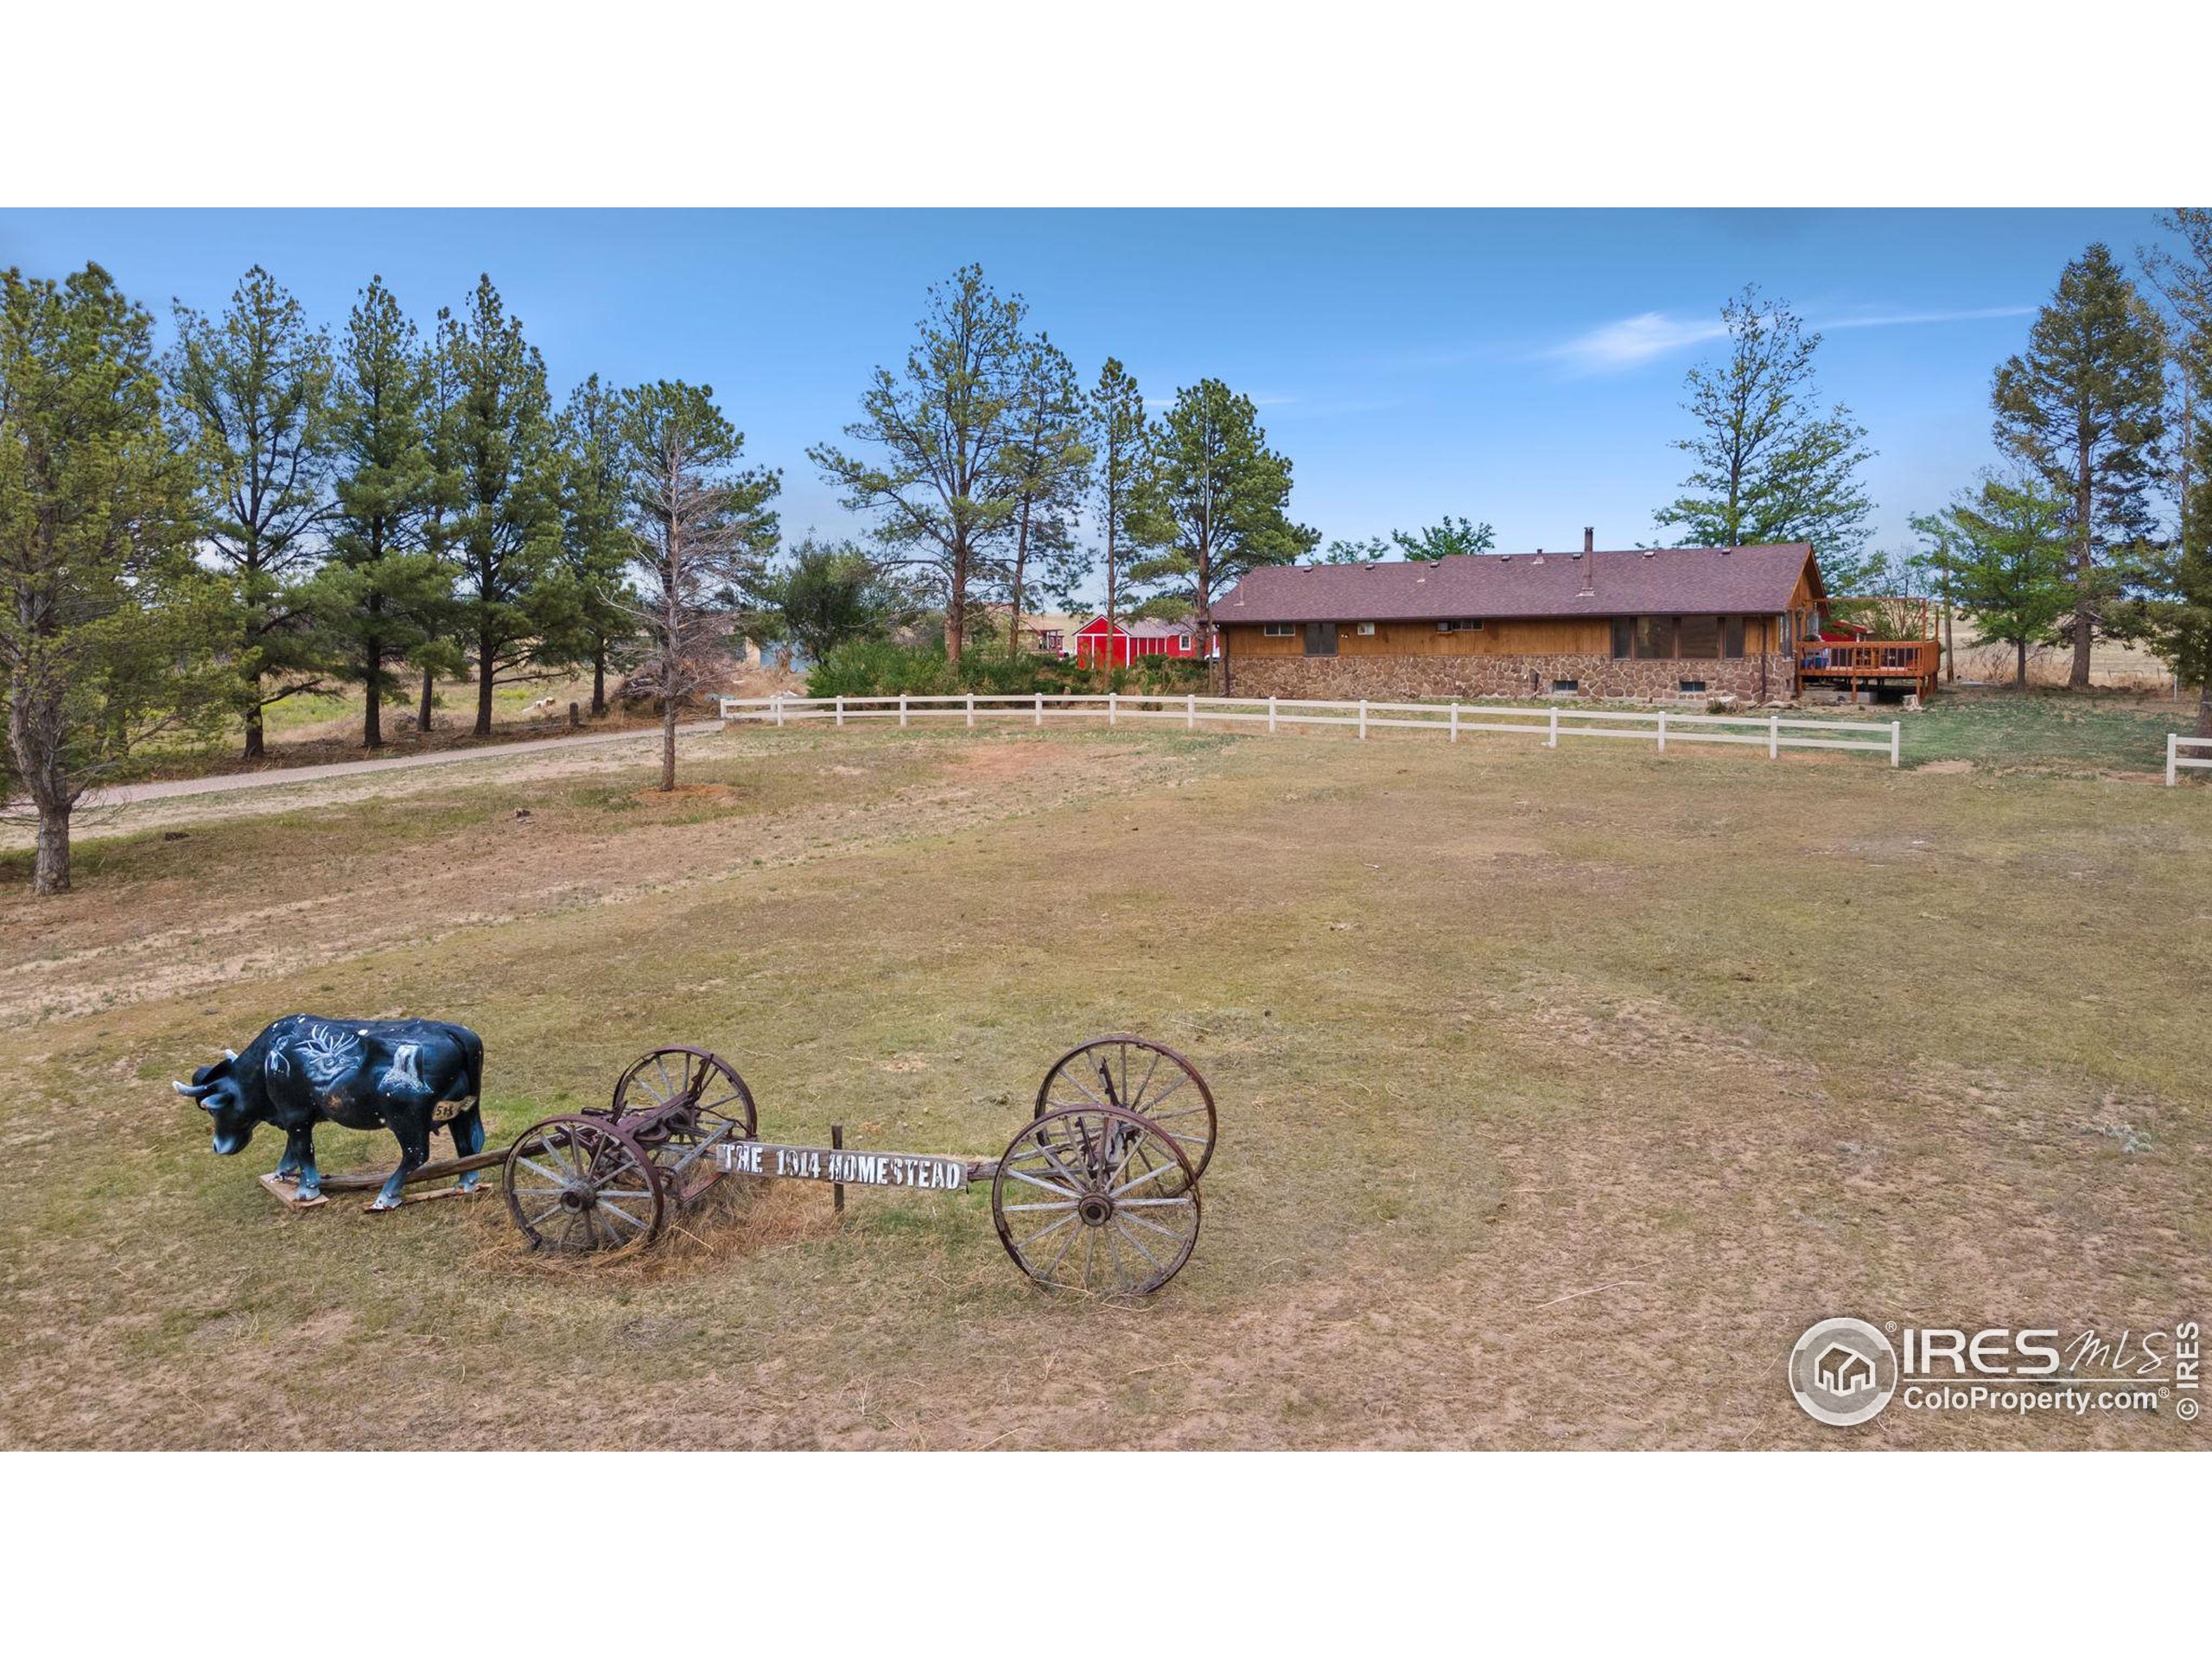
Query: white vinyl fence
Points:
[1770, 732]
[2176, 765]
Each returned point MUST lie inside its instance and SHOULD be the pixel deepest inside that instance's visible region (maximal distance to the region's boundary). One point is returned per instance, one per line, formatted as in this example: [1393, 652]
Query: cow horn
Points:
[230, 1053]
[190, 1091]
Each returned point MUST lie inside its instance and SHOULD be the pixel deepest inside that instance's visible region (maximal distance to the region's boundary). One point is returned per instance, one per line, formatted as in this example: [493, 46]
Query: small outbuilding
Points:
[1099, 643]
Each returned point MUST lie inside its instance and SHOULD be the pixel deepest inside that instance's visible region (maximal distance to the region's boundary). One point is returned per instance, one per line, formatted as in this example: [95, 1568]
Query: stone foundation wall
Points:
[1389, 679]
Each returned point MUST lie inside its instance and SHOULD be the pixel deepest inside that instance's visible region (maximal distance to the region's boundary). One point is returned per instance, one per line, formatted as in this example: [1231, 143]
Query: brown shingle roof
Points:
[1663, 582]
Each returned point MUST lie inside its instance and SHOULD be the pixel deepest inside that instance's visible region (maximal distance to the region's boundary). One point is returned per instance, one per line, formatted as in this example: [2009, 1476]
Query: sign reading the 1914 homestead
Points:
[853, 1168]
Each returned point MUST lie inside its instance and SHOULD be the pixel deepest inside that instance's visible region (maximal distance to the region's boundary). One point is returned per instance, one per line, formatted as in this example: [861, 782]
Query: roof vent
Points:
[1648, 551]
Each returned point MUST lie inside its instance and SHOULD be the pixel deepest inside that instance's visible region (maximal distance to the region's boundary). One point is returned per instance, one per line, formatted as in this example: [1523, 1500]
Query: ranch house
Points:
[1666, 622]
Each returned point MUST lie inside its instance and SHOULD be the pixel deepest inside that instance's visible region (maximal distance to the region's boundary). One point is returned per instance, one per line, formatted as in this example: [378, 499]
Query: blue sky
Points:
[1522, 368]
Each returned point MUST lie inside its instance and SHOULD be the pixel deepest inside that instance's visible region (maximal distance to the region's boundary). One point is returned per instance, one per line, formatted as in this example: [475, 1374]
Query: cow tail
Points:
[472, 1046]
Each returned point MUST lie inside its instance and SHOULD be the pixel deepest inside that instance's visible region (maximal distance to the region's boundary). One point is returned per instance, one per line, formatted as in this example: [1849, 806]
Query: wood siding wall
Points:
[1509, 638]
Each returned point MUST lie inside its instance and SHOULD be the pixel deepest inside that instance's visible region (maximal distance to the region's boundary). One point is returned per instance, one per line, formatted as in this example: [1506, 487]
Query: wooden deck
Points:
[1909, 662]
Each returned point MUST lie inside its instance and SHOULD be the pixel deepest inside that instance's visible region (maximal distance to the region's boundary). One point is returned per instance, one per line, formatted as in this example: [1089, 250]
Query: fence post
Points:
[1271, 711]
[2173, 752]
[779, 711]
[1455, 722]
[1363, 719]
[1040, 708]
[1113, 707]
[1662, 731]
[971, 708]
[1191, 712]
[841, 711]
[1552, 742]
[902, 710]
[1773, 735]
[1897, 740]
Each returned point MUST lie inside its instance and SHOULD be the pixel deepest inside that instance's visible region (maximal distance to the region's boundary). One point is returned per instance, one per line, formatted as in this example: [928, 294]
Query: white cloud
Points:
[1635, 341]
[1890, 319]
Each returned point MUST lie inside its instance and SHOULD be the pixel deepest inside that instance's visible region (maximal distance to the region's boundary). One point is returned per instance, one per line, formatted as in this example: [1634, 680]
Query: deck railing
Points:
[1872, 659]
[1771, 731]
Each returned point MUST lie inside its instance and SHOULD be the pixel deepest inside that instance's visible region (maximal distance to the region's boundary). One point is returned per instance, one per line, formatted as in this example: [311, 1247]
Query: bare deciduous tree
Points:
[700, 530]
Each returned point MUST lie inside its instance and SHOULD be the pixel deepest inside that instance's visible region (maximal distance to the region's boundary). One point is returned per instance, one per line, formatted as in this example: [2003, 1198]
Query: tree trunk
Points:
[484, 673]
[667, 743]
[1950, 651]
[373, 684]
[2084, 569]
[2020, 674]
[255, 741]
[2204, 707]
[51, 872]
[423, 719]
[956, 617]
[599, 680]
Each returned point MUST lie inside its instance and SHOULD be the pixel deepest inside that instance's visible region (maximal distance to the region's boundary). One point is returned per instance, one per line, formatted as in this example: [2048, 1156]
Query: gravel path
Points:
[280, 775]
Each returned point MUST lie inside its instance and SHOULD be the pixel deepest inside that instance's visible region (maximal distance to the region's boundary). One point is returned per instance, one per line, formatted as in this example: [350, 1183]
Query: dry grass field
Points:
[1560, 1092]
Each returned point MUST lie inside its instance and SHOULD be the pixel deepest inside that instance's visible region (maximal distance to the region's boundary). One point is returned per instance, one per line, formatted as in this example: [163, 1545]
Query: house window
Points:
[1320, 638]
[1689, 686]
[1655, 636]
[1279, 630]
[1700, 636]
[1732, 631]
[1566, 687]
[1462, 625]
[1366, 630]
[1624, 636]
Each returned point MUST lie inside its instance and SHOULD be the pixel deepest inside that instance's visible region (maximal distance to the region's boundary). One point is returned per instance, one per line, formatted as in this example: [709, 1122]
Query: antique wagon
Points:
[1098, 1192]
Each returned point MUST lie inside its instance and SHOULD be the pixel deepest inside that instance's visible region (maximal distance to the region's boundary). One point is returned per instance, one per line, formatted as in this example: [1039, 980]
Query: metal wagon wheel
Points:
[705, 1083]
[1130, 1074]
[1094, 1198]
[579, 1184]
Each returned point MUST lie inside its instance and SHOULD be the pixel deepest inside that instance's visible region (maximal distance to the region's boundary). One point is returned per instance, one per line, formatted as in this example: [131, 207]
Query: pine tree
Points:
[2083, 407]
[1215, 504]
[2168, 582]
[941, 494]
[1122, 439]
[252, 388]
[1770, 466]
[384, 593]
[109, 629]
[504, 533]
[1048, 469]
[700, 531]
[2004, 548]
[592, 543]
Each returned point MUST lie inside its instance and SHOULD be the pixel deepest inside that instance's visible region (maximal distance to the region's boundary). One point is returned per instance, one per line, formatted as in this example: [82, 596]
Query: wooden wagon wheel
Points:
[706, 1083]
[579, 1184]
[1097, 1199]
[1129, 1074]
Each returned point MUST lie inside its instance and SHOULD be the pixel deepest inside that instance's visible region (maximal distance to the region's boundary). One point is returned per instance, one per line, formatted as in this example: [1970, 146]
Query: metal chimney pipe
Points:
[1589, 538]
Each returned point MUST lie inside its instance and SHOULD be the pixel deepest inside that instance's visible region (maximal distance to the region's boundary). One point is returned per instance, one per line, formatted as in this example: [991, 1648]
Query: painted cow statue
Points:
[411, 1076]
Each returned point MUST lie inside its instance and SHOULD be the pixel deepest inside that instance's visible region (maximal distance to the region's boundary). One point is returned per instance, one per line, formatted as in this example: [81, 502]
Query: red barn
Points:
[1120, 644]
